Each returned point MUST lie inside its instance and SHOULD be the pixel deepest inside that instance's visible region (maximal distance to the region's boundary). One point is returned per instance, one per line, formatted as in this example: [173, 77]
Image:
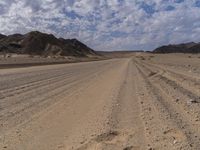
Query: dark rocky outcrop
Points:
[37, 43]
[179, 48]
[2, 36]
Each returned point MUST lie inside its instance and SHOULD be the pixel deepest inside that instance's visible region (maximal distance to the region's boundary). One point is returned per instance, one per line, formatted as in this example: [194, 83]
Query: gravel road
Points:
[144, 102]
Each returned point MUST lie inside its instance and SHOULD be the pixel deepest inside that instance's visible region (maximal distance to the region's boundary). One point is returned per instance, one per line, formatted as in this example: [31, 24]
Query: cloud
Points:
[106, 25]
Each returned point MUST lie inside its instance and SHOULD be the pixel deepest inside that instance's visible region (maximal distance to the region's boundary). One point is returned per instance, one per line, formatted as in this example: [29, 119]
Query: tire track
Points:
[182, 79]
[186, 100]
[173, 125]
[41, 96]
[125, 127]
[19, 79]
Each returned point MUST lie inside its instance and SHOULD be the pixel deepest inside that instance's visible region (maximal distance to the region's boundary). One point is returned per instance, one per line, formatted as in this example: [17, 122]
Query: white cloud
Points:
[106, 24]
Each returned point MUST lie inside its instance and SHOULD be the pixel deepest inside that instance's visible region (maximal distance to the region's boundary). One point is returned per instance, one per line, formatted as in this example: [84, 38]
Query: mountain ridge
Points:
[190, 47]
[38, 43]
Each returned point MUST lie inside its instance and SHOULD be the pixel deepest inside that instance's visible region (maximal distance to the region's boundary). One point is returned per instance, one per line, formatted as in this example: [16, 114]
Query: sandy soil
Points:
[19, 61]
[145, 102]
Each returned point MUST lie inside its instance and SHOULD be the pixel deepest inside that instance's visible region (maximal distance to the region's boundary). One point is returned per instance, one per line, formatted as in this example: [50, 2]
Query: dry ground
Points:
[145, 102]
[19, 60]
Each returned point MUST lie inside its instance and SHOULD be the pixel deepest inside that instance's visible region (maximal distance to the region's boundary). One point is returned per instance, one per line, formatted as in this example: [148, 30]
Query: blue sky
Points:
[106, 24]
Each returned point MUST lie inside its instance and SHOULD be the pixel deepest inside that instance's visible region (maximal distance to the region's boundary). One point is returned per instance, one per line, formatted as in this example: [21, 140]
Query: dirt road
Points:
[145, 102]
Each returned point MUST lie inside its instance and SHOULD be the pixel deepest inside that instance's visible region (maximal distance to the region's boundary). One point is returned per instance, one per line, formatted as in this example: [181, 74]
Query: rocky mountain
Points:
[179, 48]
[2, 36]
[37, 43]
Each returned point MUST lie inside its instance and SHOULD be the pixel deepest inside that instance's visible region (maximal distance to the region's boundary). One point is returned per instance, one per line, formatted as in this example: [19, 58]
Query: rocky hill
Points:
[37, 43]
[2, 36]
[179, 48]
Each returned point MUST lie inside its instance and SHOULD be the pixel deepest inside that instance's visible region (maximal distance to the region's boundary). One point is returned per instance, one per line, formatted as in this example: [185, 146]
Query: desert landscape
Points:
[144, 101]
[99, 74]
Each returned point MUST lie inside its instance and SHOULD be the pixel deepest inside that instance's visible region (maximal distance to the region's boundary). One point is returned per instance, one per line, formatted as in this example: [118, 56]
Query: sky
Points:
[106, 24]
